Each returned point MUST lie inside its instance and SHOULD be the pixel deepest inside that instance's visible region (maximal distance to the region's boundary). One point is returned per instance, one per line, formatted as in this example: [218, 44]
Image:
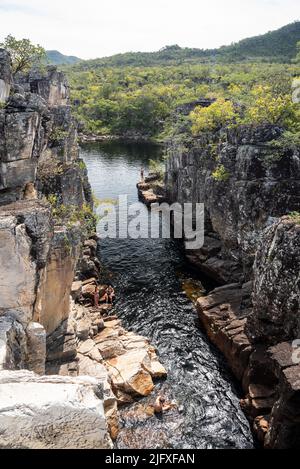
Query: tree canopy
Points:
[24, 54]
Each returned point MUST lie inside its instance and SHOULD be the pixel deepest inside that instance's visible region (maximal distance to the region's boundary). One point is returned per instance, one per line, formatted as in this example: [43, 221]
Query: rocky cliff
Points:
[256, 184]
[65, 362]
[45, 209]
[247, 184]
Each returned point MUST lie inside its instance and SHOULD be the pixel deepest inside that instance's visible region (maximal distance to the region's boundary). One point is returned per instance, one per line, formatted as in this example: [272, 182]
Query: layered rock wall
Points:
[258, 184]
[255, 324]
[39, 253]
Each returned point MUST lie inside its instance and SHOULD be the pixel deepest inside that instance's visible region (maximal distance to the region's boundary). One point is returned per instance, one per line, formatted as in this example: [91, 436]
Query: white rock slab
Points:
[51, 412]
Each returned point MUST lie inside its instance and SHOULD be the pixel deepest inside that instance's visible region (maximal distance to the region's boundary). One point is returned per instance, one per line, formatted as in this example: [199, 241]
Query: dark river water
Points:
[150, 276]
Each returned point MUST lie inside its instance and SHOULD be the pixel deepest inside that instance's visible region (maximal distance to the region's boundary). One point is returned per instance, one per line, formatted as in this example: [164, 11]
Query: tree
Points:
[24, 54]
[219, 114]
[267, 108]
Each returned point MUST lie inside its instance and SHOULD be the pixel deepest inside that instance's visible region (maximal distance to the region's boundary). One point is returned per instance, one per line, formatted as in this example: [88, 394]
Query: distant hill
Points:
[275, 46]
[56, 58]
[279, 45]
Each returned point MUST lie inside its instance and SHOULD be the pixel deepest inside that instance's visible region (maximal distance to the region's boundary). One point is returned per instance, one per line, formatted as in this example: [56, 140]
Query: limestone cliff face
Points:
[38, 157]
[51, 412]
[258, 185]
[249, 238]
[38, 259]
[275, 321]
[5, 76]
[276, 295]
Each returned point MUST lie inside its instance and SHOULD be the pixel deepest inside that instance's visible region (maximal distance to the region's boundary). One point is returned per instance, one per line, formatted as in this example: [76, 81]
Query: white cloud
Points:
[95, 28]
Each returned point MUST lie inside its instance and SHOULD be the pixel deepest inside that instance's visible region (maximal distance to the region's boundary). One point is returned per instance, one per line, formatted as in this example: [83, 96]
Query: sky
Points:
[99, 28]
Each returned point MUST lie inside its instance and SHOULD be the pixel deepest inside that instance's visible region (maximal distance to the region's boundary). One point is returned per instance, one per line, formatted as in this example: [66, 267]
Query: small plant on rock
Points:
[221, 174]
[295, 216]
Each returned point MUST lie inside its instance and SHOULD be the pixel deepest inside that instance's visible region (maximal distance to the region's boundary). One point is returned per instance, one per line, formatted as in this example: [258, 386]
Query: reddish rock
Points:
[219, 314]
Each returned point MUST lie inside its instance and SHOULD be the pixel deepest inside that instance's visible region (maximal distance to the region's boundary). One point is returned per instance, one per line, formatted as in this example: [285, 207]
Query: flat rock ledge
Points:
[51, 412]
[151, 190]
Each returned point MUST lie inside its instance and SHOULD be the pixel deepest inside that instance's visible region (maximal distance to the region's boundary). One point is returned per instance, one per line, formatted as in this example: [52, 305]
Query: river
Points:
[150, 276]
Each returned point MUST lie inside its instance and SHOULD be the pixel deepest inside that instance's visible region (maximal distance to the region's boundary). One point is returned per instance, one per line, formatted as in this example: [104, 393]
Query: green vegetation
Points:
[82, 165]
[214, 117]
[155, 95]
[157, 167]
[265, 106]
[295, 216]
[297, 59]
[24, 54]
[221, 174]
[57, 136]
[71, 215]
[145, 100]
[288, 141]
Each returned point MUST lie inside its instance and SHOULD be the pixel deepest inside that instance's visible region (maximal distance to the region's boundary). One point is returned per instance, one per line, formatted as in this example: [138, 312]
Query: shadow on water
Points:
[149, 276]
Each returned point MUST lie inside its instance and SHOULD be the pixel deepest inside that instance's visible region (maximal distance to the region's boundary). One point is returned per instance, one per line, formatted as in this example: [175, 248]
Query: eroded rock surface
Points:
[259, 185]
[276, 296]
[244, 333]
[51, 412]
[39, 254]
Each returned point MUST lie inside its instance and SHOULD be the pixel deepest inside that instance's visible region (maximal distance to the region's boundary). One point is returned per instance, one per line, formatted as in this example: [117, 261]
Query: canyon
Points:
[71, 373]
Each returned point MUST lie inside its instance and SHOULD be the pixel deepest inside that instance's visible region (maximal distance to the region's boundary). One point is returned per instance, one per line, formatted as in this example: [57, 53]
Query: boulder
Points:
[88, 291]
[284, 429]
[129, 375]
[261, 427]
[92, 245]
[76, 290]
[51, 412]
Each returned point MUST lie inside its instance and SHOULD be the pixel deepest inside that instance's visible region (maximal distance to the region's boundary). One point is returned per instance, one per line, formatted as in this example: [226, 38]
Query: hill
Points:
[274, 46]
[56, 58]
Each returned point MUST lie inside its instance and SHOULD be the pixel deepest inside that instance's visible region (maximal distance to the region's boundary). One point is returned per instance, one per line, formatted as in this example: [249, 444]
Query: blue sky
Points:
[97, 28]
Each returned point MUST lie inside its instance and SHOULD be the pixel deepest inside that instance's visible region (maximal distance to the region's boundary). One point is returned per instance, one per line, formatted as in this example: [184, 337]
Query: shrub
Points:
[217, 115]
[295, 216]
[221, 174]
[157, 167]
[82, 165]
[71, 214]
[57, 135]
[288, 141]
[266, 108]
